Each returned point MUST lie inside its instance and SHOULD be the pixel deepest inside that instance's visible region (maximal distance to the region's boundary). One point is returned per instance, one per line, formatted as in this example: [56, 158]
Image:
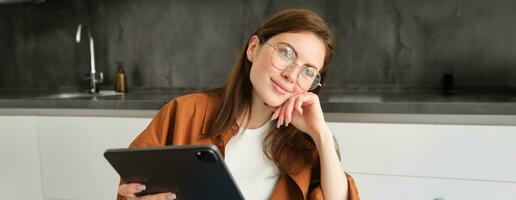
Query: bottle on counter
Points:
[120, 79]
[448, 85]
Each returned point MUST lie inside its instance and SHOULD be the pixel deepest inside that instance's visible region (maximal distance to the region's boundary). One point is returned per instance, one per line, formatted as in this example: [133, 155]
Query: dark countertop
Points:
[332, 102]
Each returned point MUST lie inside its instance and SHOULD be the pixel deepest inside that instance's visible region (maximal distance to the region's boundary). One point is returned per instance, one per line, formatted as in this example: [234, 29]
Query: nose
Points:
[290, 73]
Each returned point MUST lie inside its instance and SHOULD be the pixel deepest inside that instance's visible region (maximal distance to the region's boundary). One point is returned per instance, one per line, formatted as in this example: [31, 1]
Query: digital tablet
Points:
[189, 171]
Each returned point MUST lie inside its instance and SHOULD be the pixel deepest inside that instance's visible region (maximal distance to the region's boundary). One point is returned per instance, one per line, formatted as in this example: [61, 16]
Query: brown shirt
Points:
[184, 121]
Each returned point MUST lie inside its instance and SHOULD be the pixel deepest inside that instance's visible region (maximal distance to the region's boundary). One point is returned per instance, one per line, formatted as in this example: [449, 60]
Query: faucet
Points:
[93, 74]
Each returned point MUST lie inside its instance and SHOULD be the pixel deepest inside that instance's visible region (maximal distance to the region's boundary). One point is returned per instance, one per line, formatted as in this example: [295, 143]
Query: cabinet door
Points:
[72, 161]
[441, 152]
[20, 175]
[415, 188]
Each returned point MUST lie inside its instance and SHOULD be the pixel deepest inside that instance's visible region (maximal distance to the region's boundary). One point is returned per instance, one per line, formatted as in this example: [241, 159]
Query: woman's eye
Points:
[309, 73]
[287, 53]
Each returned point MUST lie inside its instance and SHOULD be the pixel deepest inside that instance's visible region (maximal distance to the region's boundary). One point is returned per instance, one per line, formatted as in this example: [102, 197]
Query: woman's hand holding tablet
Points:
[129, 192]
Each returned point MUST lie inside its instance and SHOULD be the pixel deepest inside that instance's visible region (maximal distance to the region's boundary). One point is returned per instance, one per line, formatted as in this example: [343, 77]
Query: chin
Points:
[273, 103]
[273, 99]
[269, 96]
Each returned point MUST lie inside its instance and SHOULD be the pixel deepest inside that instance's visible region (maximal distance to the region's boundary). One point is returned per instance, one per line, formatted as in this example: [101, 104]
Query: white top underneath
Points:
[255, 174]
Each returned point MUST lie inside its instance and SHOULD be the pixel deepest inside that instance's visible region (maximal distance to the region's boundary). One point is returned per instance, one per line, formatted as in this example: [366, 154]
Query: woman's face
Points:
[272, 85]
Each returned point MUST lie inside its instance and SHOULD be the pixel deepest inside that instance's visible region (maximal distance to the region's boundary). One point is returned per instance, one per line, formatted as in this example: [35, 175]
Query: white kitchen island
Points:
[57, 153]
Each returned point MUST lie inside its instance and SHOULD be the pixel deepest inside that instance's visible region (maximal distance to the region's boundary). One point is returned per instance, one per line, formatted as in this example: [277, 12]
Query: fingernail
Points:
[141, 188]
[170, 196]
[286, 124]
[277, 124]
[272, 117]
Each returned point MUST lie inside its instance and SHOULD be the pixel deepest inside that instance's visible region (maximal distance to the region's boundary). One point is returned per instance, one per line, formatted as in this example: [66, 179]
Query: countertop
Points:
[332, 102]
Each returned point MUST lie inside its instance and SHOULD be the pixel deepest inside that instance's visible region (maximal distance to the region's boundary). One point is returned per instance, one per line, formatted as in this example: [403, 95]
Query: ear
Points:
[252, 47]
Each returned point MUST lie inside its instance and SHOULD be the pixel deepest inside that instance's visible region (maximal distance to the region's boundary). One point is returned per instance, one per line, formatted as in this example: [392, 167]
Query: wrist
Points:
[323, 137]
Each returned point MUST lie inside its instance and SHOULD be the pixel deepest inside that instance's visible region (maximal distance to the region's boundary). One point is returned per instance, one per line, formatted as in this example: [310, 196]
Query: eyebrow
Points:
[307, 64]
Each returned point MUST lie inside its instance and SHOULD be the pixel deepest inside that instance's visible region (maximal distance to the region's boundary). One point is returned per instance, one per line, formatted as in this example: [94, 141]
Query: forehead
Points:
[309, 48]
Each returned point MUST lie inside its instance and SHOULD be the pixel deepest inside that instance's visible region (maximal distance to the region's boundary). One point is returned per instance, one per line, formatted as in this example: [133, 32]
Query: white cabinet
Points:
[20, 173]
[72, 160]
[416, 161]
[384, 187]
[61, 158]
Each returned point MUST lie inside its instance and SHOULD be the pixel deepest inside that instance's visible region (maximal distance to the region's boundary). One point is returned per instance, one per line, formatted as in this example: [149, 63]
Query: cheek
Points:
[260, 72]
[253, 76]
[260, 80]
[263, 62]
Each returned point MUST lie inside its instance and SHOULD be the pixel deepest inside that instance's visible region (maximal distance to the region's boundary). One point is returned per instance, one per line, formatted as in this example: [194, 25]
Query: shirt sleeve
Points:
[160, 130]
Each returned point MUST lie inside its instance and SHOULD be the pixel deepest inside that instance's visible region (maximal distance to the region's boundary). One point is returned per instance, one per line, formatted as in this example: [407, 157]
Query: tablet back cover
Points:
[190, 171]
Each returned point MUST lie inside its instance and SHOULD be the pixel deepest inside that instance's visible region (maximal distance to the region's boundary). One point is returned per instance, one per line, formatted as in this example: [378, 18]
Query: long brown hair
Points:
[282, 145]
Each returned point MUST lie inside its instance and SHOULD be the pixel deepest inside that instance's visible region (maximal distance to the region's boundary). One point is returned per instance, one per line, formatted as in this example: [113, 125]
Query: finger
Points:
[276, 113]
[298, 105]
[284, 112]
[289, 107]
[313, 98]
[128, 190]
[160, 196]
[307, 99]
[280, 116]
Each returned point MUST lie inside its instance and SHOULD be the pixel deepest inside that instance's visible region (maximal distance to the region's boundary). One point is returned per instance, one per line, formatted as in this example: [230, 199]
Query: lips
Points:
[279, 88]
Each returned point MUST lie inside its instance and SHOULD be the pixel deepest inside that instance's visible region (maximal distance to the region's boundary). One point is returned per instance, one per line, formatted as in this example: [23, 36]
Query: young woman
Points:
[267, 119]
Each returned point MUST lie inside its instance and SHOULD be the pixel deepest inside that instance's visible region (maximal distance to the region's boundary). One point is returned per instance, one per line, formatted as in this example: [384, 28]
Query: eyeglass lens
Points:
[284, 56]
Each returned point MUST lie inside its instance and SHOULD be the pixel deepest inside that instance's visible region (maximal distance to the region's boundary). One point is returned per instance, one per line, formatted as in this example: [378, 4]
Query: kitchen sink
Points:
[81, 95]
[355, 98]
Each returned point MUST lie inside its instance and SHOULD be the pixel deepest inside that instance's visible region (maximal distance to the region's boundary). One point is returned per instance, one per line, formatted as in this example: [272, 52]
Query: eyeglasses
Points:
[284, 56]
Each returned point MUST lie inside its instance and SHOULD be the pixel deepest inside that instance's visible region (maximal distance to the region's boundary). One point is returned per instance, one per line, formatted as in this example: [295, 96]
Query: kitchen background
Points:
[164, 44]
[398, 136]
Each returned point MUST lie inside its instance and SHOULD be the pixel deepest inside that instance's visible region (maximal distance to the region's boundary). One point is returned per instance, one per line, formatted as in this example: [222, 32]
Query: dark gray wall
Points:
[192, 44]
